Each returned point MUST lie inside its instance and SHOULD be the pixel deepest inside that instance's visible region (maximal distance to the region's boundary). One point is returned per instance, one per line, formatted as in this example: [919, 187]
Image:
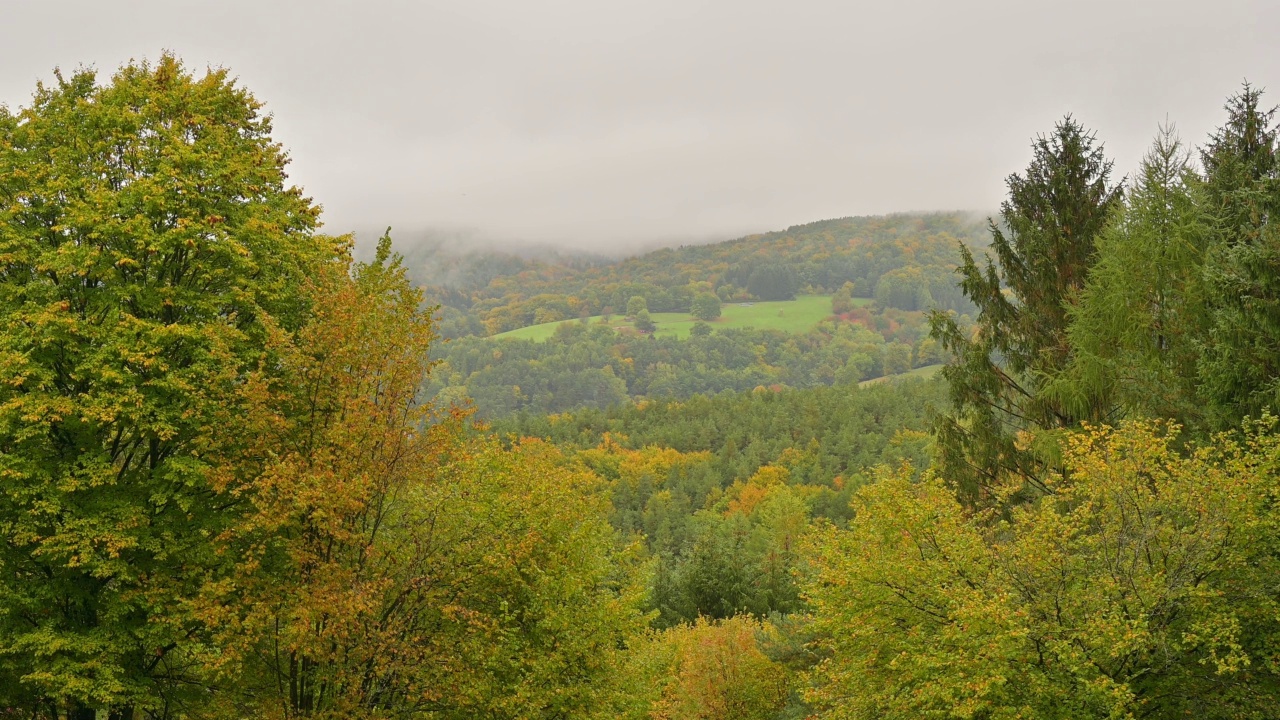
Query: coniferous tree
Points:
[636, 305]
[1043, 249]
[1136, 332]
[1240, 368]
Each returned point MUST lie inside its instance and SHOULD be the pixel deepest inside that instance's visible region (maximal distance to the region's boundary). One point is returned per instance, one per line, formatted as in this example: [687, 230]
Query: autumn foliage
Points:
[1141, 587]
[719, 671]
[222, 496]
[231, 485]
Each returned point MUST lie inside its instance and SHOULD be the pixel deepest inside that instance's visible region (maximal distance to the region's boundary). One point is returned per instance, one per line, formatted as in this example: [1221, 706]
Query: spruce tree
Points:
[1044, 247]
[1240, 366]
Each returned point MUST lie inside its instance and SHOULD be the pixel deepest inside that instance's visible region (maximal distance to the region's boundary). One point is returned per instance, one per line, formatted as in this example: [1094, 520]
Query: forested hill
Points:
[905, 260]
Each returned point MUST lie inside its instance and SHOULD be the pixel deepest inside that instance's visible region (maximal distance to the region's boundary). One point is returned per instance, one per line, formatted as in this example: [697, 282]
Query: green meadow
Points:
[927, 371]
[797, 316]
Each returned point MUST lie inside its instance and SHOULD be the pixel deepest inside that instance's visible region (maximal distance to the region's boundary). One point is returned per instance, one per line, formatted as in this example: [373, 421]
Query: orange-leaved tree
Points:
[397, 562]
[718, 670]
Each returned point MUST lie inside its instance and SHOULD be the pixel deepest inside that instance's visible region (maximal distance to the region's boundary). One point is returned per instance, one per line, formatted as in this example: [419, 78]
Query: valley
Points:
[877, 467]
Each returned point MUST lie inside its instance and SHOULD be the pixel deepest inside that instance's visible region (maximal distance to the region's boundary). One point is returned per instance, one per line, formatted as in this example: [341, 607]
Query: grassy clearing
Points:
[921, 372]
[796, 316]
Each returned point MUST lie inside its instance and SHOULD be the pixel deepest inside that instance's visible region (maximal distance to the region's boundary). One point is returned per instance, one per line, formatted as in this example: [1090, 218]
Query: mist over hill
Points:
[438, 256]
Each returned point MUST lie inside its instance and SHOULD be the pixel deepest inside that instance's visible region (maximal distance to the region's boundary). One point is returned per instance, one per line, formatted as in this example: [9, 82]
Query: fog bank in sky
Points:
[610, 124]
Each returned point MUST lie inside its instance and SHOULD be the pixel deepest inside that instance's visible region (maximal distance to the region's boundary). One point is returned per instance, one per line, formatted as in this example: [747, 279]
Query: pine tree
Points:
[1043, 249]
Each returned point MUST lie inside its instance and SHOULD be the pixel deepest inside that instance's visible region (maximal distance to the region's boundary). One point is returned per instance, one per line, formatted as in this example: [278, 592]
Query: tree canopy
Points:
[149, 248]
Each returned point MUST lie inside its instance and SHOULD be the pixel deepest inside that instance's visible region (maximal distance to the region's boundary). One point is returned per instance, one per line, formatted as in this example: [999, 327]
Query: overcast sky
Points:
[604, 123]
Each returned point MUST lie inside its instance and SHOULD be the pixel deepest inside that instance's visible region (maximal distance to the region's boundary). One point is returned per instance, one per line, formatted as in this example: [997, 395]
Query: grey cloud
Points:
[606, 123]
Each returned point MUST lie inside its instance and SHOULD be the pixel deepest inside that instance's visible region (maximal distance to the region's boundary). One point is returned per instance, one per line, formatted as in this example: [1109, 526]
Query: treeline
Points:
[904, 261]
[593, 366]
[826, 432]
[460, 263]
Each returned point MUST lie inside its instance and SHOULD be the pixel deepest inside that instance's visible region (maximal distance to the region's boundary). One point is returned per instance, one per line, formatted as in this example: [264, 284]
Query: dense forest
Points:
[905, 261]
[244, 474]
[882, 275]
[597, 367]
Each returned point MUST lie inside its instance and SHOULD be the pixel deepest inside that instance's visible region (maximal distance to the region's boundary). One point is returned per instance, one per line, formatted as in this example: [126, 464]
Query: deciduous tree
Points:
[706, 306]
[718, 671]
[644, 323]
[636, 305]
[149, 245]
[397, 565]
[1143, 586]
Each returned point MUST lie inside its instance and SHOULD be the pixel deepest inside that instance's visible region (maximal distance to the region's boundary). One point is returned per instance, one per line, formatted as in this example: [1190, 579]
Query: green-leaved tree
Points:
[149, 244]
[1240, 368]
[706, 306]
[636, 305]
[1137, 331]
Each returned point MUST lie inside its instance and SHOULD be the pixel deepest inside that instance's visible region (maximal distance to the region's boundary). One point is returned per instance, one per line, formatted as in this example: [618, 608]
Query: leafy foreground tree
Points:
[1144, 586]
[412, 569]
[1044, 251]
[218, 494]
[148, 247]
[716, 670]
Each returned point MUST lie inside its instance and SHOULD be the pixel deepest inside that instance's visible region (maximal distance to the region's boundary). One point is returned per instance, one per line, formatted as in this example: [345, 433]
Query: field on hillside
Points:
[797, 315]
[927, 371]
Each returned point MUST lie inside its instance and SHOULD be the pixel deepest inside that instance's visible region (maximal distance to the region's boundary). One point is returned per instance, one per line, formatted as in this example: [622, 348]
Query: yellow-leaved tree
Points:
[398, 564]
[711, 670]
[1142, 585]
[149, 242]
